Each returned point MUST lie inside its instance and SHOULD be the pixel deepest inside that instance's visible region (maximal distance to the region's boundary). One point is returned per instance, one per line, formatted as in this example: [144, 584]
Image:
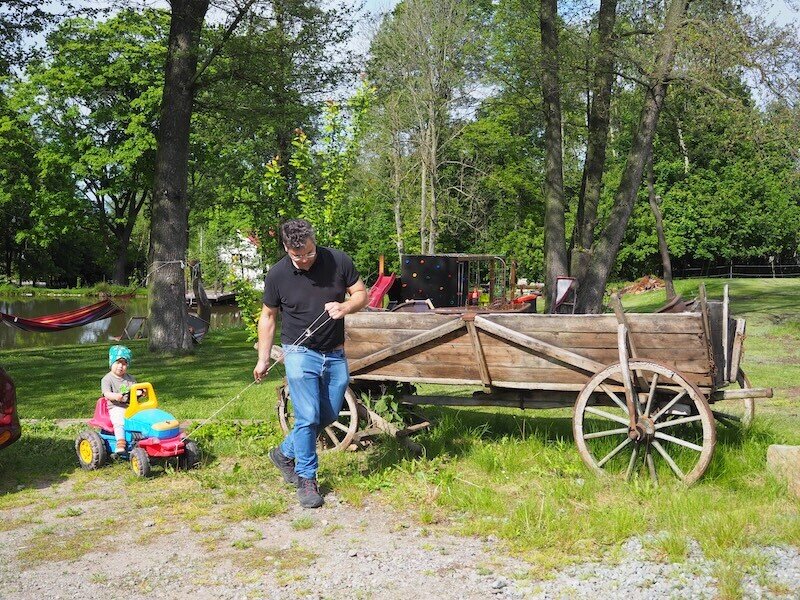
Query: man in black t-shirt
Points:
[308, 287]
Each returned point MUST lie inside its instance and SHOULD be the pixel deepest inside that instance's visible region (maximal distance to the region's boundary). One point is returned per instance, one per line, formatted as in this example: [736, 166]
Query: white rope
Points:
[163, 263]
[305, 336]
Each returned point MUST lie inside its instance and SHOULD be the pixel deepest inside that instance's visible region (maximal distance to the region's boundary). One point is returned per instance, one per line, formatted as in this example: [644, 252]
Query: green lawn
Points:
[507, 473]
[64, 381]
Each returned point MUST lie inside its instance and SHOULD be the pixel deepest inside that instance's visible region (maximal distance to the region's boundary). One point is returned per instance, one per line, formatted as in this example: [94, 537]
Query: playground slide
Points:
[379, 289]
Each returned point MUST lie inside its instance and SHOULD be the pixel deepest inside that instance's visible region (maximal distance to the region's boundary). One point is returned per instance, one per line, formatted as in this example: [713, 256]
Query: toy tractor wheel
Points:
[190, 459]
[91, 450]
[140, 462]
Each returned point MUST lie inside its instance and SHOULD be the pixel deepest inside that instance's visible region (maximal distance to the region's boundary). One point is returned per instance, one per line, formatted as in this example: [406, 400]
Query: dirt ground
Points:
[338, 551]
[69, 539]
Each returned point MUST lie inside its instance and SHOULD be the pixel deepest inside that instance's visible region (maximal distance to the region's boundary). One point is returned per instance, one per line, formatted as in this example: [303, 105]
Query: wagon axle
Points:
[643, 431]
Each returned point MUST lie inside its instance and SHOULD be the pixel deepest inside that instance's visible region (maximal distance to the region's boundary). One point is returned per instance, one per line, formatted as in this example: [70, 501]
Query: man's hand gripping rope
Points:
[259, 376]
[261, 370]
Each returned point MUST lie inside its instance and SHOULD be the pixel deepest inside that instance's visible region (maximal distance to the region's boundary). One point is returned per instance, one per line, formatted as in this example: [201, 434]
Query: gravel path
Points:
[346, 552]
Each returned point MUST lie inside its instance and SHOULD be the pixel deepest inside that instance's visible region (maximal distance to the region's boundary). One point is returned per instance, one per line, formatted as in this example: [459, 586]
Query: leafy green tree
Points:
[20, 19]
[19, 182]
[321, 172]
[199, 57]
[423, 58]
[94, 103]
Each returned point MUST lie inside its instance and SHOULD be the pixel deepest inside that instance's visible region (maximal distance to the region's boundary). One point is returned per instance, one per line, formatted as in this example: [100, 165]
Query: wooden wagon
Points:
[641, 385]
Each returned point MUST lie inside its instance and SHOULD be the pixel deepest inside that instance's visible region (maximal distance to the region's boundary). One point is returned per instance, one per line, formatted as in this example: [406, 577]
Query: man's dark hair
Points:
[296, 232]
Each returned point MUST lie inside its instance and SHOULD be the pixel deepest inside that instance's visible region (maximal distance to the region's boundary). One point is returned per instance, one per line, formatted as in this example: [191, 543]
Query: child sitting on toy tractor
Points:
[115, 386]
[139, 431]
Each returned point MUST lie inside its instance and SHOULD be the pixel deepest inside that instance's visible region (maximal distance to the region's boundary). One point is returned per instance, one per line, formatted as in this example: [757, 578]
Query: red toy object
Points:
[523, 299]
[101, 417]
[163, 448]
[378, 291]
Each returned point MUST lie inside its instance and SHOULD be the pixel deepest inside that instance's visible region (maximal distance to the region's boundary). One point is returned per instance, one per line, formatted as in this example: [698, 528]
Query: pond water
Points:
[99, 331]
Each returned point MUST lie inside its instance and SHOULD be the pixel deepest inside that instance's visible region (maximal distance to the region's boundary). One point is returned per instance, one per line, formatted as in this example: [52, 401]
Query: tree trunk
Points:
[170, 210]
[682, 145]
[423, 202]
[121, 265]
[592, 286]
[397, 179]
[555, 245]
[433, 162]
[655, 202]
[594, 165]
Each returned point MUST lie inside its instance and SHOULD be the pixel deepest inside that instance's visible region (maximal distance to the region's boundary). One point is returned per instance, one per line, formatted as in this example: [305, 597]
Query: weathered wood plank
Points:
[703, 304]
[725, 329]
[398, 320]
[736, 352]
[512, 356]
[479, 356]
[565, 339]
[386, 337]
[523, 378]
[550, 350]
[647, 323]
[443, 329]
[741, 394]
[496, 383]
[716, 335]
[629, 336]
[650, 323]
[686, 356]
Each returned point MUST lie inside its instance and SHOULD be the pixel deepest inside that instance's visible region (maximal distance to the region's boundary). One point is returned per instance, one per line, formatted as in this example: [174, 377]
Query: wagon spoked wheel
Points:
[336, 436]
[673, 434]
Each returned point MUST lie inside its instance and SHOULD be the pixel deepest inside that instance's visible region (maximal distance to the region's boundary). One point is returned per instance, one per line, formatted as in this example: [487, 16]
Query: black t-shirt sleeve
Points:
[271, 296]
[349, 271]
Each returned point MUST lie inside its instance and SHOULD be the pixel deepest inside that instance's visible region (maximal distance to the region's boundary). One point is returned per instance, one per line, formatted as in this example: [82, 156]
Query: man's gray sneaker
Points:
[285, 465]
[308, 493]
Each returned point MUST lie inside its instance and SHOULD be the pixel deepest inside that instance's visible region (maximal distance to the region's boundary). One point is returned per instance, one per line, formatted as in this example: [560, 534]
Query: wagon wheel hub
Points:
[643, 431]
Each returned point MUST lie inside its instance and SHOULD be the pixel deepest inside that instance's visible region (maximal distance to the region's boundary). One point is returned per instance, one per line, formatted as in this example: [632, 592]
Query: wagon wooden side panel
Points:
[518, 351]
[419, 347]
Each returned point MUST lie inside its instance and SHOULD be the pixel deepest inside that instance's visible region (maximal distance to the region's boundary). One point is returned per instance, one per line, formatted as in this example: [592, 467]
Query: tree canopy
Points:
[520, 128]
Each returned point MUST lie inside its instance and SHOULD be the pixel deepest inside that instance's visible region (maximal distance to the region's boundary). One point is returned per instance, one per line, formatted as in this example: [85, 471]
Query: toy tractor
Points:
[150, 433]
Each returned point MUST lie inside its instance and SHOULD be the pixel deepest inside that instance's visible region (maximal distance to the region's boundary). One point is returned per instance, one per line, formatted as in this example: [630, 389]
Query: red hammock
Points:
[64, 320]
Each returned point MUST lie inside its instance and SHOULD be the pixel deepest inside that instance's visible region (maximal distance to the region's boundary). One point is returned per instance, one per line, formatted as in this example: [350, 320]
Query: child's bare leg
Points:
[117, 414]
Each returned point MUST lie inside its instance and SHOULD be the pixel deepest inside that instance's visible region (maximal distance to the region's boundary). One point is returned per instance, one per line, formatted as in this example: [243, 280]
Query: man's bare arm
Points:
[358, 299]
[266, 334]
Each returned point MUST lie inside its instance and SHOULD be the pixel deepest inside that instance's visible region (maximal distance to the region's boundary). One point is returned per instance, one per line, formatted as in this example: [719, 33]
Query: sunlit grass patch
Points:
[19, 522]
[668, 547]
[260, 559]
[57, 543]
[17, 499]
[264, 506]
[303, 523]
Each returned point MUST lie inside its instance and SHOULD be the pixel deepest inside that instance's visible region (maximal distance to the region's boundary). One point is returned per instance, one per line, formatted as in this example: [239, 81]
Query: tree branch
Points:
[215, 51]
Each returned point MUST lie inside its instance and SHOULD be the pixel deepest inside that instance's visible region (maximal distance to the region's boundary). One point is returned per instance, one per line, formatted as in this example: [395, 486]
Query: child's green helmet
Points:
[117, 352]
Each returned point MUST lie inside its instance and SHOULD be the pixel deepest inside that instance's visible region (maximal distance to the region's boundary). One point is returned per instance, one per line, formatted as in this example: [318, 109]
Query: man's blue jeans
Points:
[317, 383]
